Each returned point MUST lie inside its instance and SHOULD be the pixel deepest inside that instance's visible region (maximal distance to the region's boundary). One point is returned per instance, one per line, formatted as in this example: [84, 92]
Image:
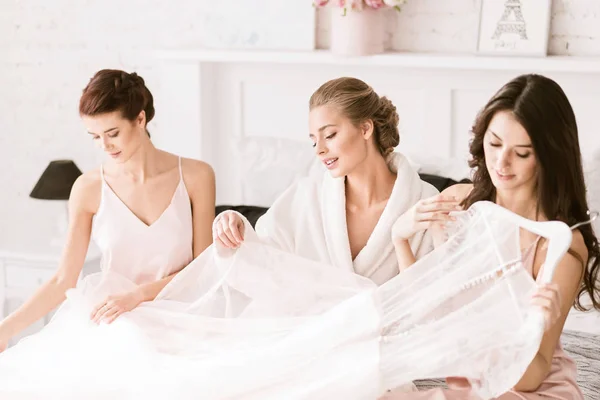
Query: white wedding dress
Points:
[260, 323]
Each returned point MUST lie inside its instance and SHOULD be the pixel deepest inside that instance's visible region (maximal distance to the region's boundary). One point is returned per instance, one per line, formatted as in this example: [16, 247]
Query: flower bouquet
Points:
[359, 5]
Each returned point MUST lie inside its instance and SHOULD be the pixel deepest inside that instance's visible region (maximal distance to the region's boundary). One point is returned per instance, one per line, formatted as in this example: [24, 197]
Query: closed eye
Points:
[523, 155]
[331, 136]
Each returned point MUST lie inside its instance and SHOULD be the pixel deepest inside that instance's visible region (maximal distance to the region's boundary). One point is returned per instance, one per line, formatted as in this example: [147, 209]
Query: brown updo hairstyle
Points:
[358, 102]
[112, 90]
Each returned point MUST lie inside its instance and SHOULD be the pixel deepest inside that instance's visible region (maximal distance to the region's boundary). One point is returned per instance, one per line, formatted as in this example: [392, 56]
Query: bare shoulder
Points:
[196, 169]
[578, 246]
[460, 190]
[86, 191]
[197, 174]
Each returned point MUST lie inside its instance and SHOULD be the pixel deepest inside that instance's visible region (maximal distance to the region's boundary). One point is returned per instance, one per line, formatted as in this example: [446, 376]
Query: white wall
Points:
[451, 26]
[48, 51]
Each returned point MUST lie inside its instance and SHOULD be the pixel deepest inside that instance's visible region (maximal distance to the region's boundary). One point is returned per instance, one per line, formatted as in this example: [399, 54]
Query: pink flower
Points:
[375, 3]
[355, 5]
[320, 3]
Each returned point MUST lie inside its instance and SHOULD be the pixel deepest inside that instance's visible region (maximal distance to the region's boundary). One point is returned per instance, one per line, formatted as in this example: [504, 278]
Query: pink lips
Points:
[504, 177]
[330, 163]
[115, 155]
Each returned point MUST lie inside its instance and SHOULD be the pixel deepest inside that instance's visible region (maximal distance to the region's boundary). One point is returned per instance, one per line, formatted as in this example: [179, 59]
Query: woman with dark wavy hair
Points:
[526, 157]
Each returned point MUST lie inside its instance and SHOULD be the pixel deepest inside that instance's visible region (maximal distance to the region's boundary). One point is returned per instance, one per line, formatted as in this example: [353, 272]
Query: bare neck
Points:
[143, 164]
[521, 201]
[370, 183]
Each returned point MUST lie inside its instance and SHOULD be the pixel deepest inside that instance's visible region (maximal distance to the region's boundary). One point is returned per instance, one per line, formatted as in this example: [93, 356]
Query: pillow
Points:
[266, 166]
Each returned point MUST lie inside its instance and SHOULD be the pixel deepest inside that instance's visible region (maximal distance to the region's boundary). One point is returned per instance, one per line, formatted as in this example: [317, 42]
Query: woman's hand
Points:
[547, 297]
[425, 214]
[457, 382]
[228, 230]
[113, 306]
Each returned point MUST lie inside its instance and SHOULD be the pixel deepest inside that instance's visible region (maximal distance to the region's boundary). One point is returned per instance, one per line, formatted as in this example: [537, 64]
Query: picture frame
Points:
[514, 27]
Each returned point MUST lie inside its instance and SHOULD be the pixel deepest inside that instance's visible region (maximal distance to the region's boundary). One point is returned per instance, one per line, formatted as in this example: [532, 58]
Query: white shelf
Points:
[392, 59]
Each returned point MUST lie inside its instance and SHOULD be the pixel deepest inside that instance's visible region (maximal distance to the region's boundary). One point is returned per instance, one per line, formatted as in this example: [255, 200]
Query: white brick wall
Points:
[49, 49]
[450, 26]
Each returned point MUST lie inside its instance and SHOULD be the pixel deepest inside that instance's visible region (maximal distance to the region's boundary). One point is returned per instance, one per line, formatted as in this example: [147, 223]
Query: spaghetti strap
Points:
[531, 248]
[180, 170]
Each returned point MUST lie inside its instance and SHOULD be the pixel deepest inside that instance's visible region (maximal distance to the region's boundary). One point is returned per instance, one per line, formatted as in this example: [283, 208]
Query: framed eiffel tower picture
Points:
[514, 27]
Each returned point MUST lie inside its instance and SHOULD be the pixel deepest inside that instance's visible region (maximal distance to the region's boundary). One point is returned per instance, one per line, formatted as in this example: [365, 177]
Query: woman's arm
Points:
[566, 280]
[83, 203]
[428, 214]
[404, 254]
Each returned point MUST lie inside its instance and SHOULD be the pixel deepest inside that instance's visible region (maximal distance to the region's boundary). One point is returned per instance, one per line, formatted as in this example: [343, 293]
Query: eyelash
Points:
[326, 137]
[518, 155]
[110, 136]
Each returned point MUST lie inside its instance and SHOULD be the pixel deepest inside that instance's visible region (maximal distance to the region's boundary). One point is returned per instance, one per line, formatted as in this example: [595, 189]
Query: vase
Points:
[357, 33]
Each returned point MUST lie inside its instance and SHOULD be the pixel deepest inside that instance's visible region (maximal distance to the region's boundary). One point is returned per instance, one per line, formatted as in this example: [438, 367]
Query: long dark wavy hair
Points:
[542, 108]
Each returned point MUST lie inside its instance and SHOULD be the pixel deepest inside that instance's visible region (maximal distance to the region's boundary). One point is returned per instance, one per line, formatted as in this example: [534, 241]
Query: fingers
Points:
[99, 309]
[440, 198]
[548, 299]
[550, 293]
[456, 382]
[105, 311]
[433, 217]
[112, 314]
[100, 313]
[234, 227]
[439, 203]
[224, 237]
[437, 209]
[228, 230]
[424, 214]
[443, 206]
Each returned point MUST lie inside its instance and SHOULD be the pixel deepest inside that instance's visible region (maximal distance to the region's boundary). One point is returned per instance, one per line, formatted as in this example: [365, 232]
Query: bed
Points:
[583, 347]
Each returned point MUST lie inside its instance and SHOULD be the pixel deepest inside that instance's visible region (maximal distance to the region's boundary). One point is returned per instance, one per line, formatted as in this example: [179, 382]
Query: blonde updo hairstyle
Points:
[358, 102]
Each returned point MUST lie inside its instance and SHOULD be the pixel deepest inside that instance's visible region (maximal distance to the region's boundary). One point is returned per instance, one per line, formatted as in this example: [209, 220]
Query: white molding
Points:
[392, 59]
[220, 108]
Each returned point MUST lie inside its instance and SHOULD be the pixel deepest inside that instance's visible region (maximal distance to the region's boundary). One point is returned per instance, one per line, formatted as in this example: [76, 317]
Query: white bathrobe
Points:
[309, 219]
